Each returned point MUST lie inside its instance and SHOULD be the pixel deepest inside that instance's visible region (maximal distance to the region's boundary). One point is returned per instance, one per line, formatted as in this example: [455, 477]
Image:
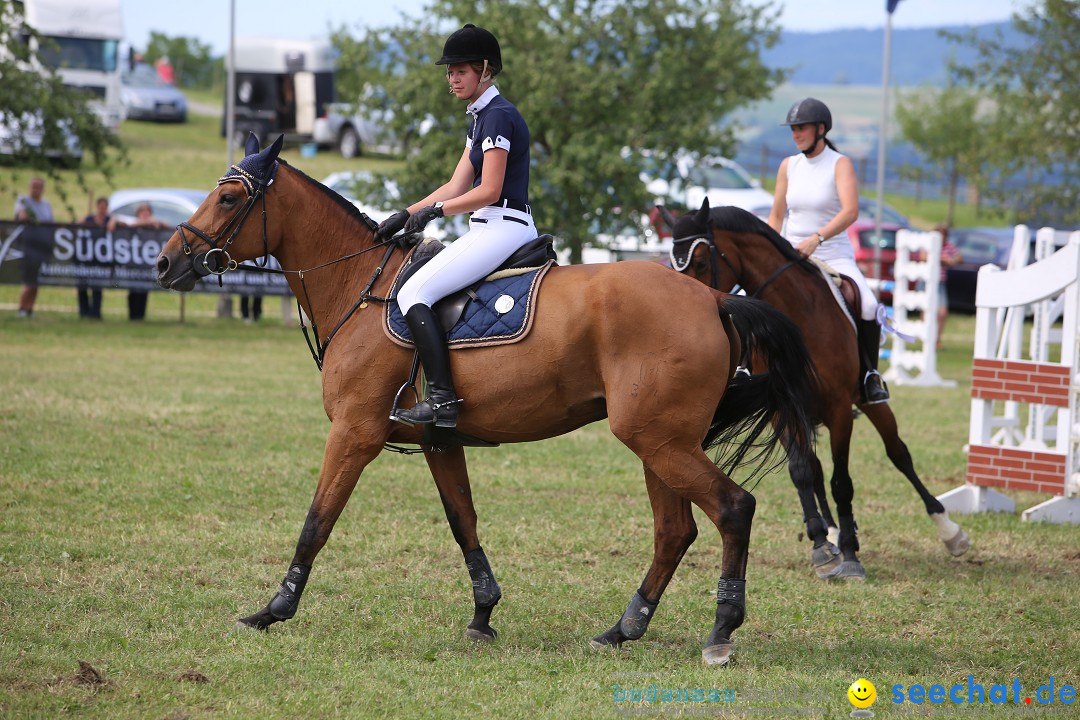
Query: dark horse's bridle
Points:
[681, 263]
[217, 261]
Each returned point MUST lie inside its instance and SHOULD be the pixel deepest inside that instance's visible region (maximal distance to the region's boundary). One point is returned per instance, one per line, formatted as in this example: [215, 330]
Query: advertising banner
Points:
[74, 255]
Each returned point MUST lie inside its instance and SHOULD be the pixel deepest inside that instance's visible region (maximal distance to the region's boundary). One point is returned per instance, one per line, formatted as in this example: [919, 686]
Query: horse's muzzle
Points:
[175, 272]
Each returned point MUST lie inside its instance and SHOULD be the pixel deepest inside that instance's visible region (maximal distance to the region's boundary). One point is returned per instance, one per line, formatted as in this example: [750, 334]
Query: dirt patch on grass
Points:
[88, 675]
[193, 676]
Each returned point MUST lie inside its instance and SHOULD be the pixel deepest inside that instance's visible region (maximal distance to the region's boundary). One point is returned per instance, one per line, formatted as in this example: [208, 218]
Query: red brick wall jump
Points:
[1017, 469]
[1020, 381]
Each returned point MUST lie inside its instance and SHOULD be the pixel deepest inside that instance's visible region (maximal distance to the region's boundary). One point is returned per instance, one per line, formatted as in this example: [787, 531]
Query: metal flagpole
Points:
[230, 84]
[224, 308]
[890, 6]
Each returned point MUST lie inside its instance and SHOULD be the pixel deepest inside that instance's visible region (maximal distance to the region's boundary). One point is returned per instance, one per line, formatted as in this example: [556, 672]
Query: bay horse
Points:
[728, 246]
[604, 343]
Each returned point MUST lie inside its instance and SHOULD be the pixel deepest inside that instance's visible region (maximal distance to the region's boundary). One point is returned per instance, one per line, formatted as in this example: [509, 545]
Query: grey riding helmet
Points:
[810, 111]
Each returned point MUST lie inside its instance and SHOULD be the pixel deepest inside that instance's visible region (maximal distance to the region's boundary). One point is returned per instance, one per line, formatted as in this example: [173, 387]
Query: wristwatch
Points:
[820, 237]
[438, 208]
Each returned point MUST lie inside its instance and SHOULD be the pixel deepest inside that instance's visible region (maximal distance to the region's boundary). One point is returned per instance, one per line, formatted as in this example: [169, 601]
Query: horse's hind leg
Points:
[881, 415]
[344, 459]
[452, 478]
[674, 531]
[690, 474]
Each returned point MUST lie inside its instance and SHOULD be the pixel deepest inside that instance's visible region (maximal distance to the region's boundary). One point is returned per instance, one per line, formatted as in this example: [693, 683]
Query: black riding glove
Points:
[422, 217]
[392, 225]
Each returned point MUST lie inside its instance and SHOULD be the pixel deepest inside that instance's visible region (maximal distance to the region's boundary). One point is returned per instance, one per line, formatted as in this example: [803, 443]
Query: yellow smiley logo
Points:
[862, 693]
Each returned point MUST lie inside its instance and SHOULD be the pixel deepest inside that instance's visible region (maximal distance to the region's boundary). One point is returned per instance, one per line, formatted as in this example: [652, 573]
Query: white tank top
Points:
[812, 201]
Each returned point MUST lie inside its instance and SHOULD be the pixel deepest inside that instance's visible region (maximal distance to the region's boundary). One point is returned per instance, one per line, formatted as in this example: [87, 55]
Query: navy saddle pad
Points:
[496, 312]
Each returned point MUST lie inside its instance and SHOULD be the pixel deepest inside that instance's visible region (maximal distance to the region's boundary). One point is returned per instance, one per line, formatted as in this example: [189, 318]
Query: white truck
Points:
[84, 51]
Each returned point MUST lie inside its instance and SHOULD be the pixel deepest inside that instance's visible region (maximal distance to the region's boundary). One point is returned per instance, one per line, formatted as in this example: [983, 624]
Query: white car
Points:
[723, 181]
[170, 205]
[352, 133]
[383, 202]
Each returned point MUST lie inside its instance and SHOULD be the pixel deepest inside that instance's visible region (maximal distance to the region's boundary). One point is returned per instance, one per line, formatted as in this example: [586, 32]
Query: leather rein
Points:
[217, 261]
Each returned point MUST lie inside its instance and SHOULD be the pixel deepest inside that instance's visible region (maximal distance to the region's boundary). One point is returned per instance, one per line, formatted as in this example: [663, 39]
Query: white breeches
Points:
[495, 233]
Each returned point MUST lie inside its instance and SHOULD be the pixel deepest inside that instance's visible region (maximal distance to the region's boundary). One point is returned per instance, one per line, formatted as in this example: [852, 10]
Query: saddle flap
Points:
[850, 292]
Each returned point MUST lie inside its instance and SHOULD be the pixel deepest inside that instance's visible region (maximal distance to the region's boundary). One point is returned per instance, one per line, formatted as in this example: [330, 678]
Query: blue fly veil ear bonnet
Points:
[689, 231]
[256, 169]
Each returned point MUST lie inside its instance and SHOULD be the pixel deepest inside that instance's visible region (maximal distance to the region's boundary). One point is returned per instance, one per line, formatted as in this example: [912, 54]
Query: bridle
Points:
[716, 254]
[217, 261]
[208, 263]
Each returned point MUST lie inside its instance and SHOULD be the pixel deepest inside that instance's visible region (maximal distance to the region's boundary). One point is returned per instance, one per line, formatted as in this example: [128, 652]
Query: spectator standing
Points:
[251, 308]
[144, 218]
[950, 257]
[90, 297]
[33, 209]
[164, 69]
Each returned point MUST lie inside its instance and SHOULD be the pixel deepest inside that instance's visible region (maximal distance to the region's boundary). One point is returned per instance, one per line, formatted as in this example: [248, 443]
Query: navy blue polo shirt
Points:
[498, 124]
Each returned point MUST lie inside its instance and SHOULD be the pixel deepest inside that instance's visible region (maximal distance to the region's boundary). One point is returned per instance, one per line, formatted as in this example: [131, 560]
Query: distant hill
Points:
[843, 68]
[854, 57]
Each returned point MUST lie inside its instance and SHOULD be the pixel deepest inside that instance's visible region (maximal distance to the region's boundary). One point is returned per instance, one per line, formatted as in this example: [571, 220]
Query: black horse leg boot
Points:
[441, 405]
[874, 389]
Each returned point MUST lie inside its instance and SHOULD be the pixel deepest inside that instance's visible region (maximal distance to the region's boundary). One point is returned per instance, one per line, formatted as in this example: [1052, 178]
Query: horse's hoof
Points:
[959, 544]
[258, 621]
[825, 560]
[849, 570]
[480, 636]
[718, 654]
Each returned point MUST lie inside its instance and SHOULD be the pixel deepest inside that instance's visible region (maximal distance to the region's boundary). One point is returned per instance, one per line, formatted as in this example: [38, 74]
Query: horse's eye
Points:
[228, 199]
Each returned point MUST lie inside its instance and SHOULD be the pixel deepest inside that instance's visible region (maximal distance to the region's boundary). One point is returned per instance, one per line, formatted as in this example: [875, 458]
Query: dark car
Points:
[978, 246]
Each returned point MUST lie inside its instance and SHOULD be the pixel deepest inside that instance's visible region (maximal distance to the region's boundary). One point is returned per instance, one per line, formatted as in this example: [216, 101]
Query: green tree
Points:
[41, 115]
[591, 77]
[193, 65]
[1036, 90]
[951, 129]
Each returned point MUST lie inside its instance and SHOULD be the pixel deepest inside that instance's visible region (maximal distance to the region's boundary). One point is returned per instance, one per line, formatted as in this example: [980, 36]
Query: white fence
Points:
[1039, 450]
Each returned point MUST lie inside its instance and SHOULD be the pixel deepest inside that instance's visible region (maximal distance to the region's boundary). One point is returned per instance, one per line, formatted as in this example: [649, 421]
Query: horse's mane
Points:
[738, 220]
[336, 197]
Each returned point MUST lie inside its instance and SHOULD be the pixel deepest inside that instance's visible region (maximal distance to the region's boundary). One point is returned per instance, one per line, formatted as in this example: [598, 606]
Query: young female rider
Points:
[491, 181]
[817, 196]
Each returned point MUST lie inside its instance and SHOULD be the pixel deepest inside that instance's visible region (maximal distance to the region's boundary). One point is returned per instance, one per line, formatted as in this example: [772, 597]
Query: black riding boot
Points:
[874, 389]
[441, 405]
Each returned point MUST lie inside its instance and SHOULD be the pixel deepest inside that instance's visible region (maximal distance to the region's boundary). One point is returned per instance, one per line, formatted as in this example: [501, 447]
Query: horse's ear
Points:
[702, 215]
[252, 145]
[274, 150]
[669, 219]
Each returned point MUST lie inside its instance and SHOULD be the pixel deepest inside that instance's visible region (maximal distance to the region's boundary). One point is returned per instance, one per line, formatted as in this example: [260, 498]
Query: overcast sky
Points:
[208, 20]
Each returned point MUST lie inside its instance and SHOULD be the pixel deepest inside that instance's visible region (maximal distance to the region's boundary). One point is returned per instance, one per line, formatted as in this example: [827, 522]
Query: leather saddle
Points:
[850, 292]
[450, 309]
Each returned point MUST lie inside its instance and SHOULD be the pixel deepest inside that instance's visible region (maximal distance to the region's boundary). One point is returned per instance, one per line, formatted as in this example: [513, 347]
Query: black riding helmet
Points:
[810, 111]
[470, 44]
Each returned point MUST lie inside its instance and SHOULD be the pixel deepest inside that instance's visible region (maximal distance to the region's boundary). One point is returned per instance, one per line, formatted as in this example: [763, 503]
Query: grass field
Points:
[154, 478]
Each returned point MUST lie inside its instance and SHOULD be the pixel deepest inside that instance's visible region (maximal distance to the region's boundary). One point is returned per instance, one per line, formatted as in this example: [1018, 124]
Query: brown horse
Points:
[605, 342]
[728, 246]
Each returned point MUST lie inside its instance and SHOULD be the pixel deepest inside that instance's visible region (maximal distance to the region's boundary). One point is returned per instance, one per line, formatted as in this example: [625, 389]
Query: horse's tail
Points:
[781, 398]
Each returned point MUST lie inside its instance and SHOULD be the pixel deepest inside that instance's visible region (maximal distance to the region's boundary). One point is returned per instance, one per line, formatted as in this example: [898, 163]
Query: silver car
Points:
[147, 97]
